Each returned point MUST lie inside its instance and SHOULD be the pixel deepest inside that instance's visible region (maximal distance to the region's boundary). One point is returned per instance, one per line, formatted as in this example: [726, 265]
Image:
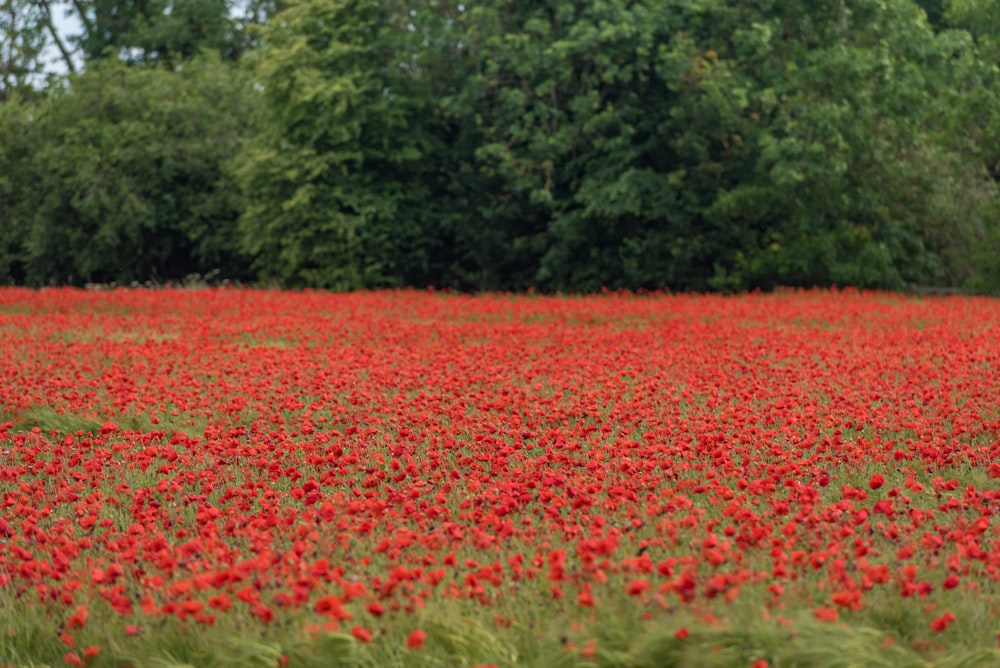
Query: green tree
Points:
[157, 32]
[962, 152]
[705, 144]
[128, 178]
[788, 144]
[981, 18]
[25, 30]
[17, 142]
[331, 179]
[573, 145]
[935, 11]
[842, 92]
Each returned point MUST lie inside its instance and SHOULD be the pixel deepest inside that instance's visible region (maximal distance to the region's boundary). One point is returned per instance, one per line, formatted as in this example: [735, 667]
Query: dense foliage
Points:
[121, 176]
[556, 145]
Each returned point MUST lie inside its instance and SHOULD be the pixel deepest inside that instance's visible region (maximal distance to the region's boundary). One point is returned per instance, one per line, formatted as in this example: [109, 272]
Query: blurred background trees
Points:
[558, 145]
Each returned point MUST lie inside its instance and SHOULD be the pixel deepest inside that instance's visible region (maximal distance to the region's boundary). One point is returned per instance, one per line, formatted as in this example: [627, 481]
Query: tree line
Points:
[559, 145]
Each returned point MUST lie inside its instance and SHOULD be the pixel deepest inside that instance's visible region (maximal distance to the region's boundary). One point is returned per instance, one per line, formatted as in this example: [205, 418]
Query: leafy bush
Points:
[128, 178]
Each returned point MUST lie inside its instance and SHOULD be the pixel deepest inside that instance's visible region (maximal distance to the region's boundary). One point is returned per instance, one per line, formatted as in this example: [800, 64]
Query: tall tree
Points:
[935, 11]
[126, 175]
[788, 145]
[18, 187]
[981, 18]
[158, 32]
[58, 41]
[22, 43]
[328, 178]
[977, 120]
[573, 145]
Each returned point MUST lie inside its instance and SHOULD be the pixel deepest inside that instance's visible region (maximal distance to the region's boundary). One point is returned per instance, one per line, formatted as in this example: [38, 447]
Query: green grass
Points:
[56, 420]
[460, 635]
[49, 419]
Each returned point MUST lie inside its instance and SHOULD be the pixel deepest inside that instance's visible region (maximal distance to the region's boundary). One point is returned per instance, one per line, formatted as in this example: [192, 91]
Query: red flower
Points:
[585, 598]
[330, 605]
[416, 639]
[943, 622]
[361, 634]
[876, 481]
[825, 614]
[637, 587]
[220, 602]
[847, 599]
[190, 607]
[78, 620]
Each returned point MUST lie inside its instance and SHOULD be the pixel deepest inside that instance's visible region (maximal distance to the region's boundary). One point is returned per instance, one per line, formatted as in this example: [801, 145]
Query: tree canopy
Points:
[560, 145]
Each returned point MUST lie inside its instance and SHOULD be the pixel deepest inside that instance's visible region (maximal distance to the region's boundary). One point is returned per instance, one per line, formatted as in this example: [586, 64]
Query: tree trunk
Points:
[47, 16]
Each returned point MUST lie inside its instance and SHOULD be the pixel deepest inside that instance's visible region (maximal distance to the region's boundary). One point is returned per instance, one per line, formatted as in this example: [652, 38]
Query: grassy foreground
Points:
[249, 478]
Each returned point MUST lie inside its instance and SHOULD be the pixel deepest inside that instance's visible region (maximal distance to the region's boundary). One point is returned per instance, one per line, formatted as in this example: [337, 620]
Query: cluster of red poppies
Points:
[194, 453]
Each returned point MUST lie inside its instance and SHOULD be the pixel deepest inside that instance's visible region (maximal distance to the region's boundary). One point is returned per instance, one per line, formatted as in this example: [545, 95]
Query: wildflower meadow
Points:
[243, 477]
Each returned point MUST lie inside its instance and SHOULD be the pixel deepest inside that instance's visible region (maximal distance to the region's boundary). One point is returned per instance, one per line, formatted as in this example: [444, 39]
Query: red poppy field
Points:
[228, 477]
